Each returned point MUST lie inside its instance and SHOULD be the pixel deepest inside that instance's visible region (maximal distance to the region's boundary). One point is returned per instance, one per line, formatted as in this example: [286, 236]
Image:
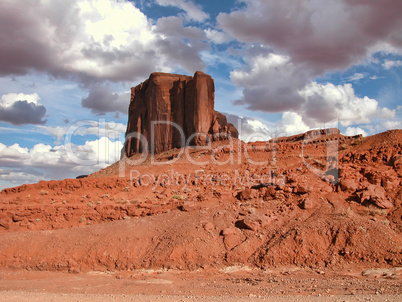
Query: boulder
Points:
[307, 204]
[389, 183]
[229, 231]
[170, 111]
[232, 240]
[348, 185]
[252, 223]
[302, 188]
[4, 224]
[376, 195]
[246, 194]
[209, 226]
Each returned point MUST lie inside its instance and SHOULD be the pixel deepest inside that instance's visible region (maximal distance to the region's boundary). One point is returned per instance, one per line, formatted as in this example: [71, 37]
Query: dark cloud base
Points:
[22, 112]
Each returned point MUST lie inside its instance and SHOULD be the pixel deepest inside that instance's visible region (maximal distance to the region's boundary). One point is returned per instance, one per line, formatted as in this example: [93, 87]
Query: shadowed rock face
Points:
[169, 110]
[398, 164]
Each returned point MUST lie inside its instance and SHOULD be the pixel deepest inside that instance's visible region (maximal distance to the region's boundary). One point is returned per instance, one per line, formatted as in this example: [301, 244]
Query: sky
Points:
[280, 68]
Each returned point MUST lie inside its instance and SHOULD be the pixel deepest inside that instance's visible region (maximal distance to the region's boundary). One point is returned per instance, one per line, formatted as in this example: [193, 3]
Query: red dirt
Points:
[231, 284]
[289, 211]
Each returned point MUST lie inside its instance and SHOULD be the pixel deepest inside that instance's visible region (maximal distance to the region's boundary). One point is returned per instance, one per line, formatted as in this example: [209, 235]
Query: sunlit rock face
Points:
[171, 111]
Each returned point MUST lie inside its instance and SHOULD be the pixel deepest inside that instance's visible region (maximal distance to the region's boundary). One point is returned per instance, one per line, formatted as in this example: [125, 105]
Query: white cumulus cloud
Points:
[20, 108]
[291, 124]
[357, 76]
[251, 129]
[100, 128]
[47, 162]
[192, 10]
[322, 35]
[273, 83]
[388, 64]
[270, 82]
[387, 125]
[352, 131]
[93, 40]
[101, 99]
[217, 37]
[289, 44]
[326, 102]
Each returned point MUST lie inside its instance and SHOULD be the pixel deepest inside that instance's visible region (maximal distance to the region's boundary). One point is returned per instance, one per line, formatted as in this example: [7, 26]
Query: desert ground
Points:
[291, 219]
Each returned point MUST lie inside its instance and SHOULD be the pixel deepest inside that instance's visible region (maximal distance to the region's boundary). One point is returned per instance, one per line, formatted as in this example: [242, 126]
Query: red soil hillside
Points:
[327, 200]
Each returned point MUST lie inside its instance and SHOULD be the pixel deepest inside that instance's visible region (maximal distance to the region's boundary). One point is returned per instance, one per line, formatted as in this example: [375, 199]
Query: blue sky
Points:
[280, 68]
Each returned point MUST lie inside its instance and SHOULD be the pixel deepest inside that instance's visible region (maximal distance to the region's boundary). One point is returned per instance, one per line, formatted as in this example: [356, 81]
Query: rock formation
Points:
[170, 111]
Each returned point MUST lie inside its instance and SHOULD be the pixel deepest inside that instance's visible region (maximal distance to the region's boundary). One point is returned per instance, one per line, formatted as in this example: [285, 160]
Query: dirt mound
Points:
[332, 201]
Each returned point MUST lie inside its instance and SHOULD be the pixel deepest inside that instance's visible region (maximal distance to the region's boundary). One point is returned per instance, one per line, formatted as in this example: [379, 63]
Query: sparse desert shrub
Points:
[386, 222]
[122, 201]
[82, 219]
[375, 211]
[43, 192]
[251, 210]
[126, 189]
[178, 197]
[319, 162]
[349, 212]
[104, 196]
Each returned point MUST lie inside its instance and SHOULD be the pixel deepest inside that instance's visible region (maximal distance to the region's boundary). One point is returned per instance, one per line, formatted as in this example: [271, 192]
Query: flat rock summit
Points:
[171, 111]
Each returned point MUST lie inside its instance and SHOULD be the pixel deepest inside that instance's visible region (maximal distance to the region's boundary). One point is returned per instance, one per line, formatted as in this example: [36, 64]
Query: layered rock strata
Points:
[171, 111]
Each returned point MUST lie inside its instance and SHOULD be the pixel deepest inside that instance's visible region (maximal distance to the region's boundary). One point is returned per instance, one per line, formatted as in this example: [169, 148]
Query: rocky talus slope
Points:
[316, 200]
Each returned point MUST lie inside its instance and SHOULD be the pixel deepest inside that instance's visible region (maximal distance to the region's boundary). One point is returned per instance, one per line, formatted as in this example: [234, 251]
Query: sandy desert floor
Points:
[29, 296]
[230, 284]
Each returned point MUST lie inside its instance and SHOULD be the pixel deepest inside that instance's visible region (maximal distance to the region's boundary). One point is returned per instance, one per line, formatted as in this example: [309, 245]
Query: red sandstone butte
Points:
[172, 110]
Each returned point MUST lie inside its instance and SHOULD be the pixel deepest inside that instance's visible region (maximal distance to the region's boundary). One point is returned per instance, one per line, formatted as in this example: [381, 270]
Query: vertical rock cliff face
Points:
[169, 111]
